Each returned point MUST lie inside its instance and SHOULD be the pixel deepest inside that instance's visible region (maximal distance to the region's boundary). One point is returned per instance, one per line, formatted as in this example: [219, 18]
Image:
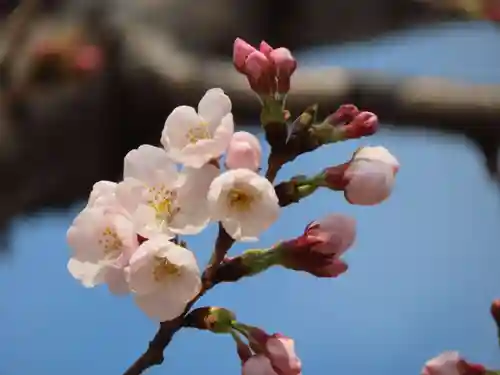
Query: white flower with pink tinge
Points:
[164, 277]
[162, 200]
[244, 202]
[370, 176]
[194, 138]
[244, 152]
[103, 239]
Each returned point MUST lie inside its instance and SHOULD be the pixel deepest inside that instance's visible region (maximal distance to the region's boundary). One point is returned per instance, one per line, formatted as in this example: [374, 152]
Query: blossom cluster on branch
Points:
[132, 234]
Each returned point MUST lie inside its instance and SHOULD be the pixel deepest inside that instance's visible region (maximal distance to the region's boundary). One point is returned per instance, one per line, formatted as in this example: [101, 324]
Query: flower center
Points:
[164, 202]
[239, 199]
[163, 268]
[110, 241]
[198, 133]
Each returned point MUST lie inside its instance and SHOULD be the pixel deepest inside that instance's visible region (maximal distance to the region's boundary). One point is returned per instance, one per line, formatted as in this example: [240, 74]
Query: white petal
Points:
[140, 272]
[115, 278]
[148, 225]
[89, 274]
[101, 189]
[197, 154]
[194, 214]
[177, 125]
[143, 162]
[160, 306]
[130, 193]
[224, 133]
[377, 153]
[213, 107]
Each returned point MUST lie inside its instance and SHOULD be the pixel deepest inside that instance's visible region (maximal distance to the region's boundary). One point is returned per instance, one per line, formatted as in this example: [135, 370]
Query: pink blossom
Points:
[319, 249]
[279, 351]
[333, 234]
[451, 363]
[244, 152]
[268, 70]
[258, 365]
[352, 123]
[241, 51]
[370, 177]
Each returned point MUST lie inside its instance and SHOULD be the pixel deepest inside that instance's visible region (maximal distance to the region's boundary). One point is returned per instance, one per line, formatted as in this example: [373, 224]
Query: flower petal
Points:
[143, 162]
[160, 306]
[214, 105]
[177, 126]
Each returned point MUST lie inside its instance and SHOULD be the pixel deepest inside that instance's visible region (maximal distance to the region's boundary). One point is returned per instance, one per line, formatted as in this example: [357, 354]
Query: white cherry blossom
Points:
[244, 202]
[370, 176]
[164, 277]
[162, 200]
[194, 138]
[102, 238]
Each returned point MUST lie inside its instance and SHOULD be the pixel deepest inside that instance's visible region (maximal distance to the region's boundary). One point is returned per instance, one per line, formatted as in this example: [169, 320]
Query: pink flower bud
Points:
[318, 250]
[279, 349]
[285, 66]
[265, 48]
[364, 124]
[258, 365]
[450, 363]
[244, 151]
[260, 74]
[241, 51]
[370, 176]
[332, 235]
[345, 114]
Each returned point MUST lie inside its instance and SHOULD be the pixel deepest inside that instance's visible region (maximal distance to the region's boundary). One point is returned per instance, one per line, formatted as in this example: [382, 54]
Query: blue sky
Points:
[423, 270]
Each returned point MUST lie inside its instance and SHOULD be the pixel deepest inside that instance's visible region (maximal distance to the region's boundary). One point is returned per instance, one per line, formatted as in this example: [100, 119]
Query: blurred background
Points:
[83, 82]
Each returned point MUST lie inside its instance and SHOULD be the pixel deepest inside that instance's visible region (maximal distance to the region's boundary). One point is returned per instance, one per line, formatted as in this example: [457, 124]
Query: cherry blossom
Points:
[244, 202]
[194, 138]
[164, 277]
[162, 200]
[102, 238]
[370, 176]
[244, 152]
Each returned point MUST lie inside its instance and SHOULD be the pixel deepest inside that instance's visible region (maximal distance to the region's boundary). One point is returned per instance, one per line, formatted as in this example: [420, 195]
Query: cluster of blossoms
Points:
[129, 234]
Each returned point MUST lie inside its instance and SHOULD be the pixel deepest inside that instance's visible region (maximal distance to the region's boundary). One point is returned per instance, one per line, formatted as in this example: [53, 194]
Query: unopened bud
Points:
[214, 319]
[345, 114]
[364, 124]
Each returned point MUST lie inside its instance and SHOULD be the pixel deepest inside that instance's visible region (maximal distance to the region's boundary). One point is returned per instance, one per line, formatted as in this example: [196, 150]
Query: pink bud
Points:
[241, 50]
[244, 151]
[259, 72]
[258, 365]
[451, 363]
[285, 66]
[370, 176]
[333, 234]
[265, 48]
[364, 124]
[281, 351]
[345, 114]
[318, 250]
